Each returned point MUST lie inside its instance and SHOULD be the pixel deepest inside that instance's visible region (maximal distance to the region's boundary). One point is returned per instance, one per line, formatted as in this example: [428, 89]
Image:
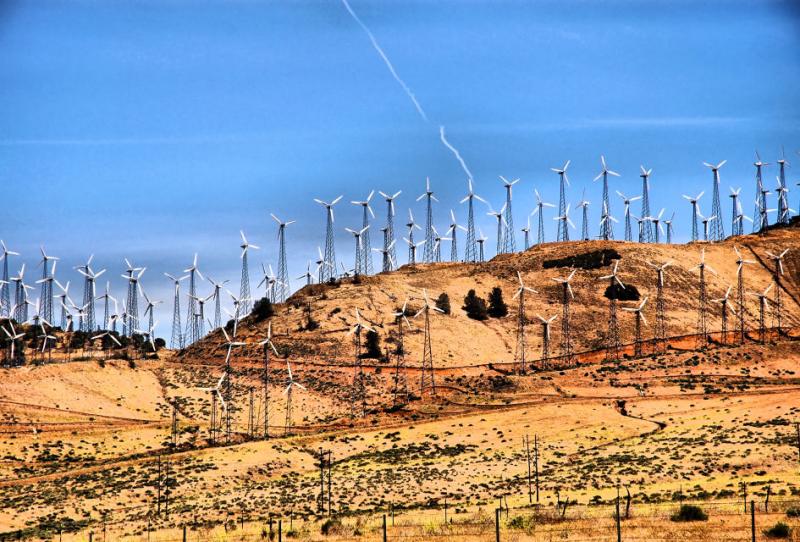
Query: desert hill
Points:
[460, 341]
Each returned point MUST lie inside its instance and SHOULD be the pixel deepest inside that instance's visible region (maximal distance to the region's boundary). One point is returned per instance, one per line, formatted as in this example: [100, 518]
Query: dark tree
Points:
[262, 309]
[373, 346]
[497, 307]
[475, 306]
[443, 303]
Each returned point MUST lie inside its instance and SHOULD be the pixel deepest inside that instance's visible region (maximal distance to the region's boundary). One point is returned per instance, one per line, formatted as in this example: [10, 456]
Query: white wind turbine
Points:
[359, 259]
[501, 225]
[216, 393]
[366, 246]
[627, 202]
[291, 383]
[563, 220]
[244, 286]
[694, 201]
[540, 205]
[13, 336]
[330, 249]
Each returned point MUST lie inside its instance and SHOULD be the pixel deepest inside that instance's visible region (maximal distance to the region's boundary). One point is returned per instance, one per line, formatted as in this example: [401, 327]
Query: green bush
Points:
[373, 346]
[793, 512]
[690, 512]
[779, 530]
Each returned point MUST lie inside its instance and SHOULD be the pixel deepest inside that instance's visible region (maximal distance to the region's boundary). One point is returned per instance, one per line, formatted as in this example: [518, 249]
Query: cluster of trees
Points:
[478, 309]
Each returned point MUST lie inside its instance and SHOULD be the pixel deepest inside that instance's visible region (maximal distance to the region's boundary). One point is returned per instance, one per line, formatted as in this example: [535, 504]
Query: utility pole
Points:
[158, 488]
[251, 419]
[536, 463]
[321, 500]
[330, 477]
[528, 460]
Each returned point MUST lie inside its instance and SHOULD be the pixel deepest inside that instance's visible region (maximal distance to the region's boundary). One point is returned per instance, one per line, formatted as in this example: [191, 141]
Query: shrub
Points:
[793, 512]
[690, 512]
[779, 530]
[160, 343]
[475, 306]
[443, 303]
[497, 307]
[262, 309]
[330, 525]
[373, 345]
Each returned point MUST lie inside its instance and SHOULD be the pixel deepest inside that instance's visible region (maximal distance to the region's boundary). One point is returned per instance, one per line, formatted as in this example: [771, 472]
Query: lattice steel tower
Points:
[783, 198]
[412, 248]
[647, 233]
[606, 227]
[563, 234]
[758, 224]
[471, 250]
[509, 240]
[328, 269]
[282, 290]
[366, 245]
[428, 252]
[613, 346]
[389, 238]
[192, 333]
[717, 232]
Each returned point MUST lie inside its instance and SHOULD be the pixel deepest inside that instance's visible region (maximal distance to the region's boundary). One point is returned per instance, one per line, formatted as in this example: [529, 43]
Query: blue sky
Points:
[154, 129]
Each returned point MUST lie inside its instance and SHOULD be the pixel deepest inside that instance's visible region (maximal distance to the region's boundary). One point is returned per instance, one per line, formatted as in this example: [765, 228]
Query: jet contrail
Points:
[405, 88]
[387, 62]
[455, 152]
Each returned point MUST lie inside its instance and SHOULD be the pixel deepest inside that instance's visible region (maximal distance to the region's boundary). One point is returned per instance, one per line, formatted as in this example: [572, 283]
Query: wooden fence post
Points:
[497, 524]
[280, 530]
[184, 533]
[384, 528]
[753, 520]
[619, 525]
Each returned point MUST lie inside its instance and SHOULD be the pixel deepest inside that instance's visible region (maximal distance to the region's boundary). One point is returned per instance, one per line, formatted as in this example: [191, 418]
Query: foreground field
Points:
[83, 446]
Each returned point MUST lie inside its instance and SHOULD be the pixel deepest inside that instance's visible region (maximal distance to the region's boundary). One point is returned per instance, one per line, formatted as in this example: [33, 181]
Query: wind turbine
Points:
[191, 322]
[783, 200]
[777, 274]
[453, 234]
[106, 297]
[388, 261]
[244, 285]
[519, 356]
[388, 238]
[762, 312]
[13, 337]
[470, 253]
[584, 206]
[740, 263]
[89, 290]
[366, 252]
[216, 394]
[46, 294]
[481, 240]
[657, 227]
[358, 400]
[693, 201]
[723, 301]
[267, 345]
[500, 227]
[428, 249]
[717, 230]
[645, 197]
[20, 308]
[437, 245]
[669, 228]
[291, 383]
[605, 219]
[63, 298]
[759, 192]
[640, 319]
[540, 205]
[5, 294]
[509, 242]
[412, 247]
[360, 261]
[627, 202]
[283, 273]
[702, 328]
[566, 330]
[150, 305]
[131, 316]
[526, 231]
[661, 315]
[606, 228]
[706, 221]
[426, 380]
[563, 207]
[613, 347]
[176, 341]
[329, 273]
[218, 286]
[563, 220]
[321, 264]
[308, 276]
[736, 210]
[546, 322]
[400, 379]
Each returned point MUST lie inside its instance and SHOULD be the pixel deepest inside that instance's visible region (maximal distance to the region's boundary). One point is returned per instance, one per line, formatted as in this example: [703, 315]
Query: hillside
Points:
[460, 341]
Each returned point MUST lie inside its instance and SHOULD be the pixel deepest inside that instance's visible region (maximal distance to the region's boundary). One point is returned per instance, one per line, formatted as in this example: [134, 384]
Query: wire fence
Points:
[733, 520]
